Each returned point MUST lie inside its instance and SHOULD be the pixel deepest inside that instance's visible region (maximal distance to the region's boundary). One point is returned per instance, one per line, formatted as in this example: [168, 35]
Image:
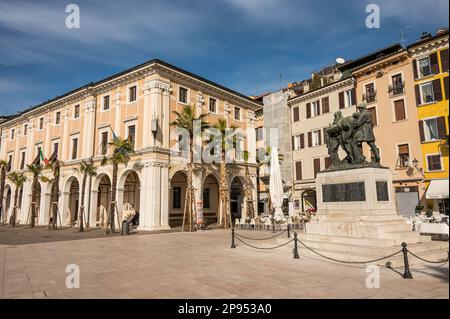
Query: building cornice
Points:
[319, 92]
[381, 64]
[427, 46]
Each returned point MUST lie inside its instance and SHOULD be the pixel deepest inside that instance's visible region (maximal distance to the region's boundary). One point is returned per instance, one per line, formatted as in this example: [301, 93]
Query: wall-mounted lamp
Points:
[154, 127]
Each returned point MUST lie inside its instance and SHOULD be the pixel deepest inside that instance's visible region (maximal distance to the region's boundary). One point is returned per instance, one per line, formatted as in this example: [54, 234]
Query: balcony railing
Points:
[370, 97]
[396, 89]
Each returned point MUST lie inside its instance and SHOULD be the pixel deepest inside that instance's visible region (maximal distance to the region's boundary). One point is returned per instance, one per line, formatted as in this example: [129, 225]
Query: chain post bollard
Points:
[295, 247]
[407, 274]
[289, 230]
[232, 238]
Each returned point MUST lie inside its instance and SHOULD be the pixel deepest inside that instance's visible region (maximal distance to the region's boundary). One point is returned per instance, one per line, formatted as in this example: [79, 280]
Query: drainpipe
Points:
[88, 221]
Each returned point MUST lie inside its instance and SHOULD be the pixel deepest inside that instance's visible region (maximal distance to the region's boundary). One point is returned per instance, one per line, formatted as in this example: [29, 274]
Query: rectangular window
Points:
[212, 105]
[373, 115]
[298, 171]
[106, 101]
[76, 111]
[55, 148]
[206, 198]
[397, 86]
[259, 133]
[10, 163]
[41, 123]
[325, 105]
[315, 108]
[104, 142]
[316, 138]
[434, 162]
[12, 133]
[424, 67]
[327, 162]
[183, 96]
[132, 134]
[237, 113]
[22, 161]
[296, 114]
[132, 91]
[74, 148]
[25, 129]
[426, 93]
[58, 118]
[370, 94]
[349, 98]
[316, 165]
[431, 129]
[399, 107]
[403, 155]
[176, 197]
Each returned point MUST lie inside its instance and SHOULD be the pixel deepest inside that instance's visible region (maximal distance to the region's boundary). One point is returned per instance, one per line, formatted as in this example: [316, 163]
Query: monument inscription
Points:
[344, 192]
[382, 191]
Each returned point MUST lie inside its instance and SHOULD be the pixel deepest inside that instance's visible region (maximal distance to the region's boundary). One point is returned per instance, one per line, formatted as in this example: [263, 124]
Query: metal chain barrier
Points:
[261, 238]
[429, 261]
[349, 262]
[264, 248]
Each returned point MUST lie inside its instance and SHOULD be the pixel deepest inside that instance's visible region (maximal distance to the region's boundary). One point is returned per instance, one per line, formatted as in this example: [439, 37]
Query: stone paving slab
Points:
[192, 265]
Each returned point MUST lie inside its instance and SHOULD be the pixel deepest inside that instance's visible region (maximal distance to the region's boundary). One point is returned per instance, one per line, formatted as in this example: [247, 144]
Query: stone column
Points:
[45, 204]
[30, 143]
[251, 137]
[117, 113]
[165, 197]
[65, 138]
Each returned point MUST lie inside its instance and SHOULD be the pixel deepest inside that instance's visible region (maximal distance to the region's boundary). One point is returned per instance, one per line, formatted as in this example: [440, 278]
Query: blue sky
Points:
[242, 44]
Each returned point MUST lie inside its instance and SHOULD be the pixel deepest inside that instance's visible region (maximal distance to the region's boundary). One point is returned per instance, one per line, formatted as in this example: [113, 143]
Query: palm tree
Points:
[36, 171]
[221, 126]
[87, 168]
[122, 148]
[248, 188]
[18, 180]
[55, 166]
[3, 165]
[185, 120]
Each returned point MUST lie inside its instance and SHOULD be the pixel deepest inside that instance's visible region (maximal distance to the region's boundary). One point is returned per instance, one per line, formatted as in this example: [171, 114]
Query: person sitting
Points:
[135, 219]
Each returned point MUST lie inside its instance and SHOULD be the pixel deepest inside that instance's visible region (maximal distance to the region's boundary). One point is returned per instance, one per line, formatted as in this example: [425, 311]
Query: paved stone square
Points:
[187, 265]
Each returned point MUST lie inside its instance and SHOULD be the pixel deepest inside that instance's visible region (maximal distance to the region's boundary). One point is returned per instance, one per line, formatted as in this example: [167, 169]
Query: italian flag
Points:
[41, 156]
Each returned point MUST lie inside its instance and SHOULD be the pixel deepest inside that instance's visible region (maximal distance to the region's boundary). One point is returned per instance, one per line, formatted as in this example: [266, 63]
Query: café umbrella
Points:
[276, 185]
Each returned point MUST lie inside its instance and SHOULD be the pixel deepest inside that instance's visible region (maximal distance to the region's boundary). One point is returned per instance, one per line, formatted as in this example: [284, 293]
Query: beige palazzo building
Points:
[138, 102]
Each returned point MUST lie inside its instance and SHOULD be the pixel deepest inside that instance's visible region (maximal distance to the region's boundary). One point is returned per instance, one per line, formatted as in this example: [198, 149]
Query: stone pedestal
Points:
[356, 219]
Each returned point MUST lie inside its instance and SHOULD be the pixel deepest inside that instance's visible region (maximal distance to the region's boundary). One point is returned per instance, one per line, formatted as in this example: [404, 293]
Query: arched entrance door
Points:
[103, 200]
[74, 201]
[210, 200]
[131, 194]
[178, 185]
[236, 198]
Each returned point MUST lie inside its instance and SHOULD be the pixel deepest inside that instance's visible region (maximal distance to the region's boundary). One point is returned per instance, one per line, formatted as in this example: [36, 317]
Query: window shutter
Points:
[353, 96]
[434, 63]
[403, 149]
[444, 60]
[318, 107]
[319, 132]
[421, 132]
[327, 162]
[298, 171]
[316, 165]
[441, 127]
[437, 90]
[399, 110]
[416, 74]
[446, 87]
[308, 110]
[302, 141]
[296, 114]
[341, 100]
[293, 142]
[309, 139]
[325, 105]
[417, 90]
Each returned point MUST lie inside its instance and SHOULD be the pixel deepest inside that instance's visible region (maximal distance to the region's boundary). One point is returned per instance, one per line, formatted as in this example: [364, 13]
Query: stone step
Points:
[405, 237]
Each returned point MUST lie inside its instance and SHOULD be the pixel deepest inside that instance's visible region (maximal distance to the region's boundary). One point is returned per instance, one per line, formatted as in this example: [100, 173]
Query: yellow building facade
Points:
[430, 67]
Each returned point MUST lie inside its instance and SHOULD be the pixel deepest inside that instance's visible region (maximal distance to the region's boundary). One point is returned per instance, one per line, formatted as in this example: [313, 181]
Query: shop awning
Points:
[438, 189]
